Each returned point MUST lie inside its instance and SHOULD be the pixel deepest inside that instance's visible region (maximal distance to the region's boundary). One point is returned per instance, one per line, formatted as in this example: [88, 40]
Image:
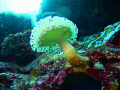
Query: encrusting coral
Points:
[51, 31]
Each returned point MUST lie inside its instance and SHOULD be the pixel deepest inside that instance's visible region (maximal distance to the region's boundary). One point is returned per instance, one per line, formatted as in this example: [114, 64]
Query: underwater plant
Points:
[51, 31]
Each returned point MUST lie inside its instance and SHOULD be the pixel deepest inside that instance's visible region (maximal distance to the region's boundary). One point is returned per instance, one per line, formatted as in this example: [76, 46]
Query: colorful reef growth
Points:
[97, 55]
[55, 30]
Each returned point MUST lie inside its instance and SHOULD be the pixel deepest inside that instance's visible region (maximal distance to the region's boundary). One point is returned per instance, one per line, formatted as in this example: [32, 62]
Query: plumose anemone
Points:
[52, 32]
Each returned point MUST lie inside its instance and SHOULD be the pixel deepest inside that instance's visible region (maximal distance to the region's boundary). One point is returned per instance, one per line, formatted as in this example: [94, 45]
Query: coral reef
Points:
[16, 48]
[51, 70]
[52, 75]
[16, 43]
[103, 68]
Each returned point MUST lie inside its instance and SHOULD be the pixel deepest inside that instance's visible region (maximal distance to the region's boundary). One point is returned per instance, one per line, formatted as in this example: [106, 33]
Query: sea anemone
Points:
[52, 32]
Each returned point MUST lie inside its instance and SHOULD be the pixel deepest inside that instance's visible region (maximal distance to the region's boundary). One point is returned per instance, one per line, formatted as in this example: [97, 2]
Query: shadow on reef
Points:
[80, 81]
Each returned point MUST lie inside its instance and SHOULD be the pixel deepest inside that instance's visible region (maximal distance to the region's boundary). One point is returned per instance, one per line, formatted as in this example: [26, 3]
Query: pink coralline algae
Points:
[50, 82]
[109, 75]
[54, 73]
